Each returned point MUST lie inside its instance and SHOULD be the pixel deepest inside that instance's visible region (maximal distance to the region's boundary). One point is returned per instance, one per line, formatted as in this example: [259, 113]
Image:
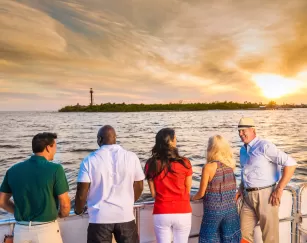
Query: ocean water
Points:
[136, 132]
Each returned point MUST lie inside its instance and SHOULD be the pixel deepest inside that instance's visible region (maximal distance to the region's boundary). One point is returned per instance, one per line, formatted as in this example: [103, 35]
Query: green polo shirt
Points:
[35, 185]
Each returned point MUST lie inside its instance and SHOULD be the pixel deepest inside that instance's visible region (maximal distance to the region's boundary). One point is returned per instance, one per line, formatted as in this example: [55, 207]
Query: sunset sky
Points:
[151, 51]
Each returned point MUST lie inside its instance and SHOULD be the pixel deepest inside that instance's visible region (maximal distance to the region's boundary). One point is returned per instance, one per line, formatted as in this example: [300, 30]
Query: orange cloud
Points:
[147, 51]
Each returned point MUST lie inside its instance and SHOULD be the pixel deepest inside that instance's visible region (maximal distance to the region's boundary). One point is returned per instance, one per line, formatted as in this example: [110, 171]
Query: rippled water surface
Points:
[136, 131]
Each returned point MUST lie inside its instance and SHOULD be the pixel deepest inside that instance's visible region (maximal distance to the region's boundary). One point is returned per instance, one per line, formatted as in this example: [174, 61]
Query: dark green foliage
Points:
[112, 107]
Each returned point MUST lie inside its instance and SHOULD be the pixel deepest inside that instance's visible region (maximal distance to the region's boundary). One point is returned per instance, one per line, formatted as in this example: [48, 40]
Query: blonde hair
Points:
[219, 150]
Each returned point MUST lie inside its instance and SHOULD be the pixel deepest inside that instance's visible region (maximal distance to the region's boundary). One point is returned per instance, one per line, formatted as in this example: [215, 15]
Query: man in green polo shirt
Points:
[39, 188]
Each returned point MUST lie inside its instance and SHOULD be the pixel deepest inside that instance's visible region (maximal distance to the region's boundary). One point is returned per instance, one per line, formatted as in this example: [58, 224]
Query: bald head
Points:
[106, 135]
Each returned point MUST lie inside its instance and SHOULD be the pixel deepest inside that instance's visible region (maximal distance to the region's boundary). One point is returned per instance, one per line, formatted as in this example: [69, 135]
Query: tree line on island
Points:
[180, 106]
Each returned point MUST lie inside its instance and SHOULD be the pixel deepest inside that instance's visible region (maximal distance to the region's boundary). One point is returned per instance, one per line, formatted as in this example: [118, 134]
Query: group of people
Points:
[110, 180]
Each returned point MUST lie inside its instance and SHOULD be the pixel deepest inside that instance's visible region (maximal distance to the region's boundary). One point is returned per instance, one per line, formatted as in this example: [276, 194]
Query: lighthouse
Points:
[91, 92]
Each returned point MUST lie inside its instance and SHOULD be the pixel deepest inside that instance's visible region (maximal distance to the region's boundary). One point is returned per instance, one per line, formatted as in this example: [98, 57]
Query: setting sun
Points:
[275, 86]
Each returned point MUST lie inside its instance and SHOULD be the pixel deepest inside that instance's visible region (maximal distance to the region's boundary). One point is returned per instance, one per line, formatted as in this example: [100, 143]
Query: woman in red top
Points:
[170, 178]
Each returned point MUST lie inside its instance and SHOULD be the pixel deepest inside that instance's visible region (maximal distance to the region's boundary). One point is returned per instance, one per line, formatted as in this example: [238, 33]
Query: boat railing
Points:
[292, 220]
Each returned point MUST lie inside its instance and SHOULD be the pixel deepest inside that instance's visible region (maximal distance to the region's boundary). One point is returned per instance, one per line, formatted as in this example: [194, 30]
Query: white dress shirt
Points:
[111, 170]
[261, 162]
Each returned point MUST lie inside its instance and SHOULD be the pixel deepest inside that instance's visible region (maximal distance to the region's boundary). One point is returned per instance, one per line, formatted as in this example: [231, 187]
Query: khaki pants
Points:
[256, 208]
[45, 233]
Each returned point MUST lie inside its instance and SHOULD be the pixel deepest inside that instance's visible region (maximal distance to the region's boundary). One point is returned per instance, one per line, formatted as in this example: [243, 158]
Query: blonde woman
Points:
[218, 189]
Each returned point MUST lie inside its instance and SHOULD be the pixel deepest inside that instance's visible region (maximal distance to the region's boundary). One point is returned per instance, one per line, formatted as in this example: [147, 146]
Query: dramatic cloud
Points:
[148, 51]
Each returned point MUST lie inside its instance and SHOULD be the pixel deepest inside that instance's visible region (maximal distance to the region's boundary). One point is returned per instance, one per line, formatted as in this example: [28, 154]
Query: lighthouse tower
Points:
[91, 92]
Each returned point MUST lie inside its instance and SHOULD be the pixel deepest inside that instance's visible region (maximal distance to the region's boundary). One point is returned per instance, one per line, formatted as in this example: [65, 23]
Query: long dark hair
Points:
[162, 155]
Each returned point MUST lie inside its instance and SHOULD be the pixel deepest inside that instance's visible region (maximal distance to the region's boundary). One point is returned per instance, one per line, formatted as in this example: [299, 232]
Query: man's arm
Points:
[276, 156]
[81, 197]
[64, 201]
[5, 202]
[138, 188]
[286, 177]
[61, 189]
[138, 178]
[241, 186]
[5, 195]
[279, 157]
[83, 187]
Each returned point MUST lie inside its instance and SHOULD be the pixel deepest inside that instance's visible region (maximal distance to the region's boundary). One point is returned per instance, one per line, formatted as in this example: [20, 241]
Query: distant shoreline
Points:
[113, 107]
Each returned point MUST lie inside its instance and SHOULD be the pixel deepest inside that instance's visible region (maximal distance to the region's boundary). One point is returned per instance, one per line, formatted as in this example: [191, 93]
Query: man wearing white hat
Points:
[262, 183]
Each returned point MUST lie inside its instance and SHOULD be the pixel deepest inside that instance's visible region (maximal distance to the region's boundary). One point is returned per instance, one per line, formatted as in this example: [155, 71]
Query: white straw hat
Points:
[246, 122]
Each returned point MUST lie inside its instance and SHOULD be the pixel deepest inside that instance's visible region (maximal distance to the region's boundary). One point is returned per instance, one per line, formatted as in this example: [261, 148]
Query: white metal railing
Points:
[296, 217]
[302, 215]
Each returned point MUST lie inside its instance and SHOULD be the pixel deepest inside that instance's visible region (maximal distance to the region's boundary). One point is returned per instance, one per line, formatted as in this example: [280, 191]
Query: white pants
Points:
[179, 224]
[45, 233]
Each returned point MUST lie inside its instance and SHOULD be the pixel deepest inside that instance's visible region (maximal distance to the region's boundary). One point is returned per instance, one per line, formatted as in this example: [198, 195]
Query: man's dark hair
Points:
[41, 140]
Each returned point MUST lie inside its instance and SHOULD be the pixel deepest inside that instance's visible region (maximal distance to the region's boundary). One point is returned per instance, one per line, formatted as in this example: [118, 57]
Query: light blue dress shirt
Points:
[261, 162]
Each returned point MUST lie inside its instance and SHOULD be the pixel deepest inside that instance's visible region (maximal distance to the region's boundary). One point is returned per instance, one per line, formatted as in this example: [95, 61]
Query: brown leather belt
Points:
[258, 188]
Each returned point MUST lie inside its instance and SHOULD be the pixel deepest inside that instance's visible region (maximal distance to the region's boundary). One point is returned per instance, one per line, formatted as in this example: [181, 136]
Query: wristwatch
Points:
[84, 210]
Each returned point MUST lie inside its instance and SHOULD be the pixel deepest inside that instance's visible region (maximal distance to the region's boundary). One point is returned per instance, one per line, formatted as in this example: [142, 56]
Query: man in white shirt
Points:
[110, 179]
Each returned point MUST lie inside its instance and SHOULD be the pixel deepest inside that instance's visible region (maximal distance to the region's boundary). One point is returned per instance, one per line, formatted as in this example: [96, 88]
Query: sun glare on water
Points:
[275, 86]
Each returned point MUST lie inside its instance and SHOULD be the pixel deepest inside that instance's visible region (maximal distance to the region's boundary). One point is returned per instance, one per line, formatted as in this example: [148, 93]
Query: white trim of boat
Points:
[292, 223]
